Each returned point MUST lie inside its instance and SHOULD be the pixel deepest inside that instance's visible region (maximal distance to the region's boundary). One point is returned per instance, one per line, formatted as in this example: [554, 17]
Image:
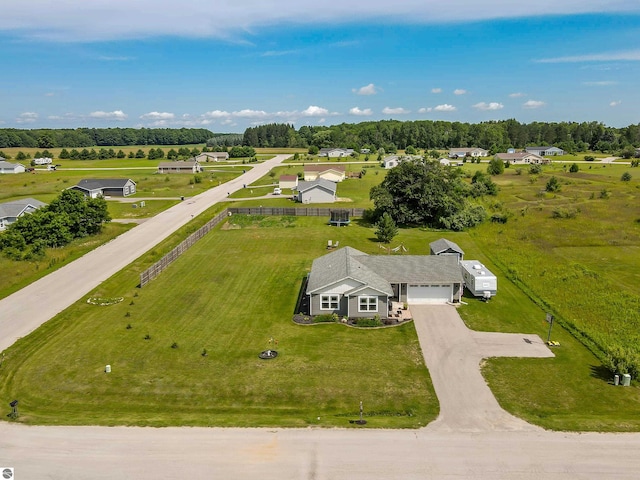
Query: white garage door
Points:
[425, 294]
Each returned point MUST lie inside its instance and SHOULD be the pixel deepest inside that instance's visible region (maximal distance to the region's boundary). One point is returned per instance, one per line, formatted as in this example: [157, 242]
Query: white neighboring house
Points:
[6, 167]
[335, 152]
[547, 151]
[316, 191]
[288, 181]
[212, 157]
[188, 166]
[395, 160]
[466, 151]
[10, 211]
[332, 172]
[42, 161]
[445, 161]
[521, 157]
[478, 279]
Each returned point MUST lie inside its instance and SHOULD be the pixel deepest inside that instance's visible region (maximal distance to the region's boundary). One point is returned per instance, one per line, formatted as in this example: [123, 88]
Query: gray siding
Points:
[382, 308]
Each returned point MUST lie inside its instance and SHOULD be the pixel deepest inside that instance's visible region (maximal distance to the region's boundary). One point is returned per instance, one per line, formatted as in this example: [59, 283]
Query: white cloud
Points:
[157, 116]
[118, 115]
[459, 91]
[395, 111]
[314, 111]
[425, 110]
[357, 111]
[27, 117]
[436, 90]
[213, 114]
[602, 83]
[517, 95]
[370, 89]
[615, 103]
[248, 113]
[445, 108]
[119, 19]
[533, 104]
[279, 53]
[621, 56]
[489, 106]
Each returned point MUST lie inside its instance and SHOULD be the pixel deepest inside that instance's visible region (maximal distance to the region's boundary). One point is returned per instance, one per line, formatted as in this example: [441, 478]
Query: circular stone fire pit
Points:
[268, 354]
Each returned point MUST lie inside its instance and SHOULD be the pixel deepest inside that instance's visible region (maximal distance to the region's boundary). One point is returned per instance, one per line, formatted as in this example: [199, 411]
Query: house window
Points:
[329, 302]
[367, 304]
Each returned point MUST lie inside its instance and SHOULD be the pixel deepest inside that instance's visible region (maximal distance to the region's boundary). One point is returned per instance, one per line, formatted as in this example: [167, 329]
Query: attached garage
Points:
[429, 294]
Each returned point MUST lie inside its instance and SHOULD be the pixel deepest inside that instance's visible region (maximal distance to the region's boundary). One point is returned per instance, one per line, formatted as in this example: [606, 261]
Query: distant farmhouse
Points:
[521, 157]
[212, 157]
[333, 173]
[10, 211]
[467, 152]
[545, 151]
[335, 152]
[395, 160]
[6, 167]
[106, 187]
[187, 166]
[316, 191]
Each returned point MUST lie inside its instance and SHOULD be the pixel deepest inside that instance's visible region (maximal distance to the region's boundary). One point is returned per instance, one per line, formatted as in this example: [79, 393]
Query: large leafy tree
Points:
[420, 193]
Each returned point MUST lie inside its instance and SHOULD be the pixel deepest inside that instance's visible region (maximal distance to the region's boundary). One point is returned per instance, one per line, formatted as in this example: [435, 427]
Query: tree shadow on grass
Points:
[602, 373]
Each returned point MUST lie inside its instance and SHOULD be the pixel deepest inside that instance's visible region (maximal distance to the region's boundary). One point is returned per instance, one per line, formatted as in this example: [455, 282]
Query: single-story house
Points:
[445, 161]
[335, 152]
[637, 152]
[106, 187]
[443, 246]
[288, 181]
[478, 279]
[391, 161]
[187, 166]
[351, 283]
[334, 173]
[316, 191]
[10, 211]
[6, 167]
[521, 157]
[467, 152]
[212, 157]
[545, 151]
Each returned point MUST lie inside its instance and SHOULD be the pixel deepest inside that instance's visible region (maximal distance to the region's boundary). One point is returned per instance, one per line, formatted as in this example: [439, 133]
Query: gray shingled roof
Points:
[343, 264]
[442, 245]
[4, 164]
[320, 182]
[100, 183]
[17, 207]
[415, 268]
[379, 271]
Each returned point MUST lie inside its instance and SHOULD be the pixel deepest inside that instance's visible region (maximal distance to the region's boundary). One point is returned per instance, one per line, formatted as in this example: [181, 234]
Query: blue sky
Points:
[226, 65]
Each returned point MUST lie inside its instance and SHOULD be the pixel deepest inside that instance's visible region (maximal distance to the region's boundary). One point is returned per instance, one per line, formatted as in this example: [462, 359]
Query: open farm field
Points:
[228, 295]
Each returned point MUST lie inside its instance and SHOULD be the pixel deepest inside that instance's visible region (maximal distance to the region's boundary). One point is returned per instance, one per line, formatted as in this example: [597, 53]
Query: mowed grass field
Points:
[229, 294]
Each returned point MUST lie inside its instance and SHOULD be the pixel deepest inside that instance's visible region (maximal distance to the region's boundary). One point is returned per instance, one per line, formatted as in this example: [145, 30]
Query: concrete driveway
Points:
[453, 353]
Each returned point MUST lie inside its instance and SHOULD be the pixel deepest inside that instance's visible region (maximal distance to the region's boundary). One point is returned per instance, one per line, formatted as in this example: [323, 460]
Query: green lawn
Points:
[228, 294]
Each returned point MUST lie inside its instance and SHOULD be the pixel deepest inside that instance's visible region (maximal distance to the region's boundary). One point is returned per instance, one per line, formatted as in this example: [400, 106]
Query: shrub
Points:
[369, 322]
[626, 176]
[553, 185]
[535, 169]
[499, 218]
[565, 213]
[589, 158]
[574, 168]
[324, 318]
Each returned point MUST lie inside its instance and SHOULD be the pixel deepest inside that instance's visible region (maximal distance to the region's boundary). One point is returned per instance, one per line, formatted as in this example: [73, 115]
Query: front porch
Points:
[398, 312]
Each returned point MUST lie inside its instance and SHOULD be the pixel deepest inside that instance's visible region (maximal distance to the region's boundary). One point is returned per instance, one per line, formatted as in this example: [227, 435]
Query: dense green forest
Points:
[108, 137]
[495, 135]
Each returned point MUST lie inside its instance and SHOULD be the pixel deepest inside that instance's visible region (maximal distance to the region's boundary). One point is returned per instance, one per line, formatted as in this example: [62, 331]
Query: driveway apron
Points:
[453, 354]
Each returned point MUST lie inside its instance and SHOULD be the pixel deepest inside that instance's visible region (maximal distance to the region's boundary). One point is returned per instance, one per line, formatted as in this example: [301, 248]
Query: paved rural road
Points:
[27, 309]
[472, 438]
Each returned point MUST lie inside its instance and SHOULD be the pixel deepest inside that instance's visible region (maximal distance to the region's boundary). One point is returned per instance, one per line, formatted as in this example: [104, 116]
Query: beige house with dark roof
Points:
[333, 173]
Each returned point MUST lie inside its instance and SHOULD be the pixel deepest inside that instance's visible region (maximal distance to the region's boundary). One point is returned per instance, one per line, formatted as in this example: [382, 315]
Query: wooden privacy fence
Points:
[154, 270]
[299, 212]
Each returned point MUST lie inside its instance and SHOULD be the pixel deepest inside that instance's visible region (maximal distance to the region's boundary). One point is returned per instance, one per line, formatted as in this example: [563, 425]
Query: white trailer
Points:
[478, 279]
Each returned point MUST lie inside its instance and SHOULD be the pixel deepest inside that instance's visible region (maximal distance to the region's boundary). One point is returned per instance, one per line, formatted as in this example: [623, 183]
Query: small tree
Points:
[574, 168]
[553, 185]
[496, 167]
[386, 228]
[626, 176]
[313, 150]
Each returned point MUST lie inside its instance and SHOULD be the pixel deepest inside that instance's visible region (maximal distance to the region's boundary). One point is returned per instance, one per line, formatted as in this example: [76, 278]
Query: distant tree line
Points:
[92, 137]
[495, 136]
